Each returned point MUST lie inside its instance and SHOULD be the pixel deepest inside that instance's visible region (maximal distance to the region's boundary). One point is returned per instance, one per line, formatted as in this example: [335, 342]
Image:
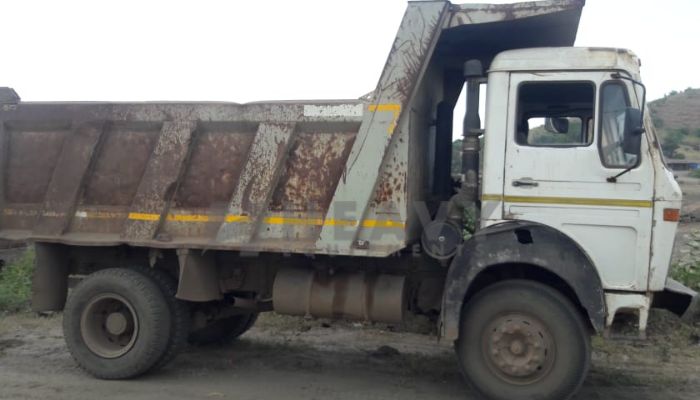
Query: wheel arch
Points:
[521, 250]
[57, 265]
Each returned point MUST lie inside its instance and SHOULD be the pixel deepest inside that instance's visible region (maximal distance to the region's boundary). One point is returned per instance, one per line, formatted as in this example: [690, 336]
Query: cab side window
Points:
[555, 114]
[613, 104]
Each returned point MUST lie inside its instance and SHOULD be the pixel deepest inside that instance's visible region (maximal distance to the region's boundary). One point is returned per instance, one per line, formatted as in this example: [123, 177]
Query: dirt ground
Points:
[284, 357]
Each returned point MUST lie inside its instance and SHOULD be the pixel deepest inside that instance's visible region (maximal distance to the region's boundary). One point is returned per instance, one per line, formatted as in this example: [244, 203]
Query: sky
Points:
[274, 49]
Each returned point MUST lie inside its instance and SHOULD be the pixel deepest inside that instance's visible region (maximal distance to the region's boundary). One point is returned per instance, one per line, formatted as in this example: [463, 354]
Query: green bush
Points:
[686, 270]
[16, 283]
[672, 143]
[658, 122]
[456, 157]
[687, 274]
[695, 173]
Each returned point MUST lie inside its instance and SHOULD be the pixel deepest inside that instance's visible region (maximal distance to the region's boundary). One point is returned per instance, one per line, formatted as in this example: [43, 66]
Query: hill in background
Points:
[677, 120]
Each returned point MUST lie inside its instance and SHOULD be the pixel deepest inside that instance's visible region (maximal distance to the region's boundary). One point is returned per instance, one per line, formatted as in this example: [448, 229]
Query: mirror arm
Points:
[613, 179]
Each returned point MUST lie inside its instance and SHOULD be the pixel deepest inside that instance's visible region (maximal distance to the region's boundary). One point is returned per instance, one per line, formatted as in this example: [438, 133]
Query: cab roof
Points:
[566, 58]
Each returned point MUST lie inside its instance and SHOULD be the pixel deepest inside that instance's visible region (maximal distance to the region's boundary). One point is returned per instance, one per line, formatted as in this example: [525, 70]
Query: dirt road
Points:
[285, 358]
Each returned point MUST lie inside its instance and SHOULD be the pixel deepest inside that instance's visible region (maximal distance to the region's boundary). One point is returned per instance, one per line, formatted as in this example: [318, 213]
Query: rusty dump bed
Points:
[333, 177]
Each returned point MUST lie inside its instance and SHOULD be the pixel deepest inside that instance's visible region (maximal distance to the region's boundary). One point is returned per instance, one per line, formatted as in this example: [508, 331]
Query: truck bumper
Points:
[678, 299]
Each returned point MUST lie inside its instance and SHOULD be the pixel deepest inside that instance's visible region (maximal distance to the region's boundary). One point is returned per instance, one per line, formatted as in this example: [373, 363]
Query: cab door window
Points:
[555, 114]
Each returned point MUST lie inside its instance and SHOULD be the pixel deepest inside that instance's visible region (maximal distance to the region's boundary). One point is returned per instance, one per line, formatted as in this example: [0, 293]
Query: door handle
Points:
[525, 182]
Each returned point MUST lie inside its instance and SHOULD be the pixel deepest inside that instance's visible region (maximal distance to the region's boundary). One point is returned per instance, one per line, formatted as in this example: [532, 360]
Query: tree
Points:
[457, 157]
[672, 143]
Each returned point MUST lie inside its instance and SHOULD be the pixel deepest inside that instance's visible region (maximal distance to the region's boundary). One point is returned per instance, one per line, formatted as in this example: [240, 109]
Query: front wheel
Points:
[523, 340]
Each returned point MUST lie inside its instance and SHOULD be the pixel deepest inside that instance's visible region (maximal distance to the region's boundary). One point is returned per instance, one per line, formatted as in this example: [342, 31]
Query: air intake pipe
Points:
[441, 238]
[473, 75]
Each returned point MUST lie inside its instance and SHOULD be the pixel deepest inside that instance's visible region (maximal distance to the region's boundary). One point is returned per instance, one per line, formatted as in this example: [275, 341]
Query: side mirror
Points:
[556, 125]
[634, 127]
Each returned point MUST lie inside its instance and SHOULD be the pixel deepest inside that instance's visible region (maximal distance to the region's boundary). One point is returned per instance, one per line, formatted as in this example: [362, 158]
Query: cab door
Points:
[563, 149]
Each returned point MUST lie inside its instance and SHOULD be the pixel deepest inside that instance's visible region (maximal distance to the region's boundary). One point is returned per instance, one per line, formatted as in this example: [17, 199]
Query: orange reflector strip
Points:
[672, 214]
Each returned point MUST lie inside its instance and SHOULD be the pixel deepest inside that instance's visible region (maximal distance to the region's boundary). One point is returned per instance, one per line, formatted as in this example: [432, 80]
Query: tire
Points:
[179, 314]
[117, 323]
[223, 331]
[523, 340]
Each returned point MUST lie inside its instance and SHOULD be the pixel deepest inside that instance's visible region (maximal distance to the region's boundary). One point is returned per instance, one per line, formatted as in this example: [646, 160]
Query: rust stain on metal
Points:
[260, 175]
[122, 162]
[399, 83]
[215, 166]
[485, 13]
[160, 178]
[261, 169]
[32, 156]
[390, 188]
[72, 166]
[312, 171]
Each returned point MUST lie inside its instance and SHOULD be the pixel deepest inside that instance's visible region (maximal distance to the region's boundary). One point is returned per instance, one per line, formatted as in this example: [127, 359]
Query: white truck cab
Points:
[556, 152]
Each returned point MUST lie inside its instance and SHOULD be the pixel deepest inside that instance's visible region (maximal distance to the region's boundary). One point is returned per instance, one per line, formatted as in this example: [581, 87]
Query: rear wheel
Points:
[523, 340]
[224, 330]
[117, 323]
[179, 314]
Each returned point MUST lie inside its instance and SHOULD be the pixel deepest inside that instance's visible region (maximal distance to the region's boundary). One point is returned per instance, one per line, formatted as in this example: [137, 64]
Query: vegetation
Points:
[677, 123]
[671, 143]
[15, 284]
[687, 269]
[457, 157]
[539, 135]
[687, 274]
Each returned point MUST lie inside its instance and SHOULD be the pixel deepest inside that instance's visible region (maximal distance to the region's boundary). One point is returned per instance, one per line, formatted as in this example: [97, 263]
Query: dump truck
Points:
[181, 221]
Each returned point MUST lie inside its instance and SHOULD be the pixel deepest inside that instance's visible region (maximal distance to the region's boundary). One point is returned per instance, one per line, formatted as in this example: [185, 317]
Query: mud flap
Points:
[50, 278]
[678, 299]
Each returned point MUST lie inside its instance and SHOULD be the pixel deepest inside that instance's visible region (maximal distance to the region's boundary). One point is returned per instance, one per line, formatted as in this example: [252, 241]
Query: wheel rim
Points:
[109, 325]
[518, 348]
